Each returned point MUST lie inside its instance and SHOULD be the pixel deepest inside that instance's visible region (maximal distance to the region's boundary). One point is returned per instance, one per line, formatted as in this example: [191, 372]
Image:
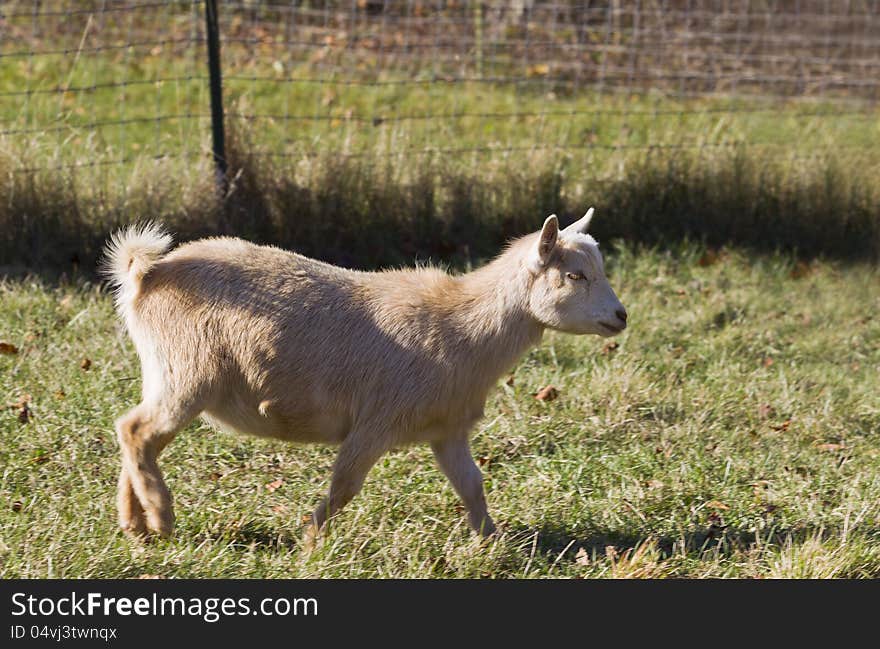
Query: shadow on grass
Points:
[367, 213]
[726, 541]
[259, 535]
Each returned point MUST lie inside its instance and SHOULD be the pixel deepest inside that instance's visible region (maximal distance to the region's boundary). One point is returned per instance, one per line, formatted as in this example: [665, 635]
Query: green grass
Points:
[393, 121]
[735, 432]
[360, 161]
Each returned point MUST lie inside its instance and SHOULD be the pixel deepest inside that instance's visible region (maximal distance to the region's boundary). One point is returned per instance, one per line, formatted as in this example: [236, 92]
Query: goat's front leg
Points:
[455, 459]
[357, 455]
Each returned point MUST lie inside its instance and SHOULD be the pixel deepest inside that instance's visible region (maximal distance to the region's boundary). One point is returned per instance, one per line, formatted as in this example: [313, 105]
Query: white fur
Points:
[271, 343]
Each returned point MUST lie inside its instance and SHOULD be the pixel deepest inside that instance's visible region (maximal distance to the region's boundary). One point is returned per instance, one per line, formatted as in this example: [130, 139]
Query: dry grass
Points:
[368, 212]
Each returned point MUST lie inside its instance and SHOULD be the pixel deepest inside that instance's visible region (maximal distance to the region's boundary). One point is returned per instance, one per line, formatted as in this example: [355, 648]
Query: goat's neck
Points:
[496, 323]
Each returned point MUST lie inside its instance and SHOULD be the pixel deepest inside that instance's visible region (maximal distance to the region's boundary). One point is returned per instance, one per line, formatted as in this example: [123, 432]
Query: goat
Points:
[267, 342]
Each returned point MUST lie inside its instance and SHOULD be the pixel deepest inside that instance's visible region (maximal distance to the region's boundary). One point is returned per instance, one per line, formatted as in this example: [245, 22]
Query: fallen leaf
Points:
[509, 380]
[8, 348]
[582, 558]
[279, 509]
[24, 414]
[539, 70]
[716, 525]
[214, 475]
[484, 460]
[66, 302]
[272, 486]
[21, 403]
[548, 393]
[802, 269]
[147, 575]
[655, 484]
[765, 411]
[760, 487]
[85, 364]
[709, 258]
[610, 347]
[831, 447]
[767, 362]
[785, 425]
[41, 457]
[60, 394]
[717, 504]
[16, 506]
[680, 292]
[667, 452]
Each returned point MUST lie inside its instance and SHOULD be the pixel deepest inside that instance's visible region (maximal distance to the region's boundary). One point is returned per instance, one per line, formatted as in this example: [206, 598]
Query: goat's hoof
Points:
[485, 529]
[161, 526]
[310, 538]
[135, 529]
[161, 532]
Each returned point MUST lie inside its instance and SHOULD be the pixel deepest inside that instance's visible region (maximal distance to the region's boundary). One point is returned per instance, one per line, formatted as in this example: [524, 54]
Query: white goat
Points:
[271, 343]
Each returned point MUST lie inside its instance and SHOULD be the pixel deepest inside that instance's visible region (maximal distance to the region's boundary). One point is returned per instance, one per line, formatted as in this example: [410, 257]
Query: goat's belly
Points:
[265, 419]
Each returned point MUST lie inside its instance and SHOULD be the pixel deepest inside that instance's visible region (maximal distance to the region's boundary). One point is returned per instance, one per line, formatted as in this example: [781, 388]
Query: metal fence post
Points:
[216, 81]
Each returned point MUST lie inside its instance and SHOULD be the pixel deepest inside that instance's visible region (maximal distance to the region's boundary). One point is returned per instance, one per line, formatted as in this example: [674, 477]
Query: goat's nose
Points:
[621, 313]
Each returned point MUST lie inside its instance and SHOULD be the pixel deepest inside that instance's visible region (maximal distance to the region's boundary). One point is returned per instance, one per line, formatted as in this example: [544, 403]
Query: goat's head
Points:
[569, 289]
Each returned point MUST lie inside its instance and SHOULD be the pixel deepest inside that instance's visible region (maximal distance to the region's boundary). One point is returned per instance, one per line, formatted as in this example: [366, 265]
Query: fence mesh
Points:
[99, 83]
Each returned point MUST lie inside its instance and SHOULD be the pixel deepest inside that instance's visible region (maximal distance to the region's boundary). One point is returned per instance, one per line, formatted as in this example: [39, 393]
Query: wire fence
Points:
[102, 83]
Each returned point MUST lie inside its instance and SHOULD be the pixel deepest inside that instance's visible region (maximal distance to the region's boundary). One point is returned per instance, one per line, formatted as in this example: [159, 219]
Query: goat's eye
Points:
[575, 276]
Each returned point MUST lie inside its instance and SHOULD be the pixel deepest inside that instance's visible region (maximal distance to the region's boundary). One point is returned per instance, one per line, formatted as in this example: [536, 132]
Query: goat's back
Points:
[279, 344]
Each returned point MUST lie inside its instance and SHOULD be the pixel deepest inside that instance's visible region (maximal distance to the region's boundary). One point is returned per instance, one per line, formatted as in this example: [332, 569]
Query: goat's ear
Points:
[547, 240]
[580, 226]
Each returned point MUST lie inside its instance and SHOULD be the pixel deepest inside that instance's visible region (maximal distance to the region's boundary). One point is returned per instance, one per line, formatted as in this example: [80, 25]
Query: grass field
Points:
[452, 168]
[733, 432]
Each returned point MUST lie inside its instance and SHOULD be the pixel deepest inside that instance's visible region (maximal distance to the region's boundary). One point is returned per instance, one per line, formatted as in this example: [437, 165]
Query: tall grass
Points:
[342, 170]
[374, 210]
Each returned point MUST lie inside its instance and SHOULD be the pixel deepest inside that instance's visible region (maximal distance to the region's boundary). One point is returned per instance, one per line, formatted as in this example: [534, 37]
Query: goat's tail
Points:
[129, 255]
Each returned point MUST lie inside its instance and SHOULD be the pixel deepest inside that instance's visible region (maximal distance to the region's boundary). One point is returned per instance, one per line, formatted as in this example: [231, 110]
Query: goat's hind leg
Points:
[143, 432]
[132, 519]
[357, 455]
